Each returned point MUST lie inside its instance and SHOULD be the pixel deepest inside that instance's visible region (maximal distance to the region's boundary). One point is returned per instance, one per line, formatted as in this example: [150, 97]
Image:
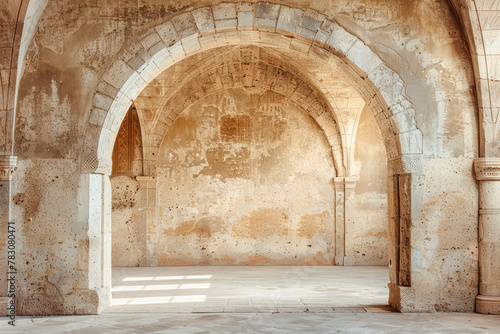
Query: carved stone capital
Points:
[91, 163]
[8, 164]
[408, 163]
[487, 169]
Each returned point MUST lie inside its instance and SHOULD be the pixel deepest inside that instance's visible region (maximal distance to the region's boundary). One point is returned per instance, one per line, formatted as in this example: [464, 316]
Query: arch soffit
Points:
[264, 24]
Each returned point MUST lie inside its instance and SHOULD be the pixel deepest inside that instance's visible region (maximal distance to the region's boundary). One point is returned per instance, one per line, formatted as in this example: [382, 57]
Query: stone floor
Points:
[258, 289]
[258, 299]
[220, 323]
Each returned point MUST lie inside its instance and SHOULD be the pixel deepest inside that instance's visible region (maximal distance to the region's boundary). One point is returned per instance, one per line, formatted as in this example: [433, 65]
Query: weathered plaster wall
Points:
[129, 233]
[63, 259]
[128, 229]
[367, 221]
[245, 177]
[77, 41]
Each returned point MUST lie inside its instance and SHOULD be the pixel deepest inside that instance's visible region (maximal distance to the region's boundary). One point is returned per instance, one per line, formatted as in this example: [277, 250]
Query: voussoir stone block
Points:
[204, 19]
[118, 73]
[266, 14]
[224, 11]
[289, 18]
[340, 39]
[363, 57]
[185, 25]
[167, 33]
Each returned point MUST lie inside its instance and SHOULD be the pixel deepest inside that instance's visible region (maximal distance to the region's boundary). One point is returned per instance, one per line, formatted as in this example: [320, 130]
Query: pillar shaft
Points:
[488, 175]
[344, 187]
[147, 207]
[7, 167]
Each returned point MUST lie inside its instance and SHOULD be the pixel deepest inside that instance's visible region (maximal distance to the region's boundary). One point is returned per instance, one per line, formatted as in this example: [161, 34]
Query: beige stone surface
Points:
[245, 178]
[426, 70]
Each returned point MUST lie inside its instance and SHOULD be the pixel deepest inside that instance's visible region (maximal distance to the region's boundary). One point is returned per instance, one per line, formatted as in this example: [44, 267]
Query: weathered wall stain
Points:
[262, 223]
[237, 185]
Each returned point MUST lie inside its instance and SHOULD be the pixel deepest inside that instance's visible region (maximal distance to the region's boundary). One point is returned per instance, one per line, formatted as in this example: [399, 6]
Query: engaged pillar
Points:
[147, 205]
[344, 187]
[488, 175]
[7, 167]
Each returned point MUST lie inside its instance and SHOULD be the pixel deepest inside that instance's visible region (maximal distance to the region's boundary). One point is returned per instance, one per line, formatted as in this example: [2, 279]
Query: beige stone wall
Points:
[422, 57]
[245, 178]
[367, 221]
[129, 233]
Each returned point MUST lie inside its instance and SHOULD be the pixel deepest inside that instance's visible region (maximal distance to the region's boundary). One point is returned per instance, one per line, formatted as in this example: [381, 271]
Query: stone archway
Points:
[273, 26]
[193, 32]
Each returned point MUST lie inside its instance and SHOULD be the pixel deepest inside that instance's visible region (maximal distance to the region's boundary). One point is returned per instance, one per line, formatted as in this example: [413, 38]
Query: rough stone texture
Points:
[85, 56]
[71, 252]
[245, 178]
[129, 233]
[367, 222]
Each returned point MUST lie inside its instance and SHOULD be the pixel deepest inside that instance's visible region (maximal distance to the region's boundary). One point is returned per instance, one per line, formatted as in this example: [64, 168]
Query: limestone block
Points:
[311, 20]
[136, 62]
[394, 94]
[361, 55]
[270, 38]
[224, 11]
[89, 144]
[102, 101]
[108, 122]
[157, 48]
[177, 51]
[289, 18]
[226, 24]
[306, 32]
[149, 40]
[244, 7]
[325, 118]
[245, 19]
[160, 128]
[203, 18]
[191, 44]
[135, 49]
[324, 31]
[153, 139]
[129, 89]
[185, 25]
[163, 60]
[97, 116]
[491, 42]
[383, 77]
[106, 89]
[340, 39]
[118, 73]
[266, 14]
[207, 41]
[167, 33]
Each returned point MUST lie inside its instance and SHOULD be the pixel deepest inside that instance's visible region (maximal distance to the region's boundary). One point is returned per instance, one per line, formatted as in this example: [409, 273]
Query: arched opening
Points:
[243, 172]
[331, 55]
[60, 134]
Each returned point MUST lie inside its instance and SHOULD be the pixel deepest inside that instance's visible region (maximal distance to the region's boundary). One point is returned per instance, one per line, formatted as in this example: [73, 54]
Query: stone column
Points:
[344, 187]
[147, 209]
[488, 175]
[7, 167]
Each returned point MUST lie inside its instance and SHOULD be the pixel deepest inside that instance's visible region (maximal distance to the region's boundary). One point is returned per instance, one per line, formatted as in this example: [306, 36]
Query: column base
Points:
[488, 304]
